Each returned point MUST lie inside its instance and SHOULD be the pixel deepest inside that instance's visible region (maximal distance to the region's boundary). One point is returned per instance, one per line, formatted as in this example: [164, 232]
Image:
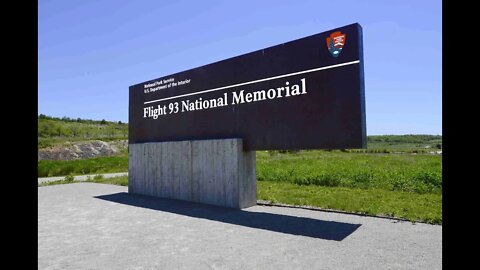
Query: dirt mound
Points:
[81, 150]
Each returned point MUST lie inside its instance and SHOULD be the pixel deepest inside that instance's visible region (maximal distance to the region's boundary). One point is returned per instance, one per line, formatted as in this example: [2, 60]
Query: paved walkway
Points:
[80, 177]
[100, 226]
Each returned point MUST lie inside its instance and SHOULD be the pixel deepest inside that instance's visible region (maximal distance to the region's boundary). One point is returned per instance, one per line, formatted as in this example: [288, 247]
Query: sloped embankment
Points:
[82, 150]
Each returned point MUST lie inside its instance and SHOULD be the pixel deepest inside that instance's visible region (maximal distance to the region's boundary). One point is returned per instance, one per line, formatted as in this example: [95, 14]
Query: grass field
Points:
[110, 164]
[403, 172]
[404, 143]
[411, 206]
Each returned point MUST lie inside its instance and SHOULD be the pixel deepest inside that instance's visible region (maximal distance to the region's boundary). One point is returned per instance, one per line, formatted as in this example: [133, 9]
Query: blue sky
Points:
[90, 52]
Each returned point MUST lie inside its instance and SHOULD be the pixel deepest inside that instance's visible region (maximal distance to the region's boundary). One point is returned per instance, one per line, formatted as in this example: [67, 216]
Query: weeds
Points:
[47, 168]
[412, 206]
[397, 172]
[69, 178]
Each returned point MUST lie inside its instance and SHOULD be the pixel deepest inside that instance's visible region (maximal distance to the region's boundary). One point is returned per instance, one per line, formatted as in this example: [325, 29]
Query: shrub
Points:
[363, 179]
[428, 181]
[69, 178]
[327, 180]
[272, 152]
[401, 183]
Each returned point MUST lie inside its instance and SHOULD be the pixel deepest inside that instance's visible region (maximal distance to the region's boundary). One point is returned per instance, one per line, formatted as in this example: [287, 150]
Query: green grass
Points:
[58, 182]
[401, 172]
[411, 206]
[119, 180]
[110, 164]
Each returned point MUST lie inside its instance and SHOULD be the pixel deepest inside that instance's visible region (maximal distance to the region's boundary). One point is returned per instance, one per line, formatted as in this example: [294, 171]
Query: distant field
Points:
[404, 143]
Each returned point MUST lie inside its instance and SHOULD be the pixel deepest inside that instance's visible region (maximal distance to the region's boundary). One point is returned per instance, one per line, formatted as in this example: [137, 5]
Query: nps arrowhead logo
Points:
[335, 43]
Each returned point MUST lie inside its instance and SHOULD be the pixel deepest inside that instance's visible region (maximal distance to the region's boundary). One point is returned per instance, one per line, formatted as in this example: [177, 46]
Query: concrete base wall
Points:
[217, 172]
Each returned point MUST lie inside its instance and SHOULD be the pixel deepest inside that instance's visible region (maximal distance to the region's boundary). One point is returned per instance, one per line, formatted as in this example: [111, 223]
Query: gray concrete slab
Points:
[216, 172]
[99, 226]
[80, 177]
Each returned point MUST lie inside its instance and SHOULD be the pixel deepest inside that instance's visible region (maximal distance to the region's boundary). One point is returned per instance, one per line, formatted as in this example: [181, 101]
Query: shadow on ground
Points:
[328, 230]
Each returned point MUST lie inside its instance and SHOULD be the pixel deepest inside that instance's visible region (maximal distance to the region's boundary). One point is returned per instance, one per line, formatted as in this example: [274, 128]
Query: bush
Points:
[362, 179]
[327, 180]
[69, 178]
[402, 184]
[428, 181]
[272, 152]
[422, 182]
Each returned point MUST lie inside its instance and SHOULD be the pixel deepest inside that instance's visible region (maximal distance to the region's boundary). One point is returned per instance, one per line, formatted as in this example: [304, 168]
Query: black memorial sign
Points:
[303, 94]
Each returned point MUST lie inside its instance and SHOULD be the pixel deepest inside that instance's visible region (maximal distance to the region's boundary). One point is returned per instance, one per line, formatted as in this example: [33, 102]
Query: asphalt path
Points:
[100, 226]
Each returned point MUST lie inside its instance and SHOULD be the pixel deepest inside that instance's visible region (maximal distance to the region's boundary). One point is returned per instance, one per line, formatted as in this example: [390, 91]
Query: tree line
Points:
[409, 138]
[79, 120]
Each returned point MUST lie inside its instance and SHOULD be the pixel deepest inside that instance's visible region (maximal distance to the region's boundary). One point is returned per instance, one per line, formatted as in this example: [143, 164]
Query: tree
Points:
[111, 131]
[45, 129]
[58, 130]
[87, 133]
[103, 122]
[74, 130]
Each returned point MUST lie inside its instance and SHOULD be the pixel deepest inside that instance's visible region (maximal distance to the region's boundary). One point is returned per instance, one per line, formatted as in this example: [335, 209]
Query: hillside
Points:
[54, 131]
